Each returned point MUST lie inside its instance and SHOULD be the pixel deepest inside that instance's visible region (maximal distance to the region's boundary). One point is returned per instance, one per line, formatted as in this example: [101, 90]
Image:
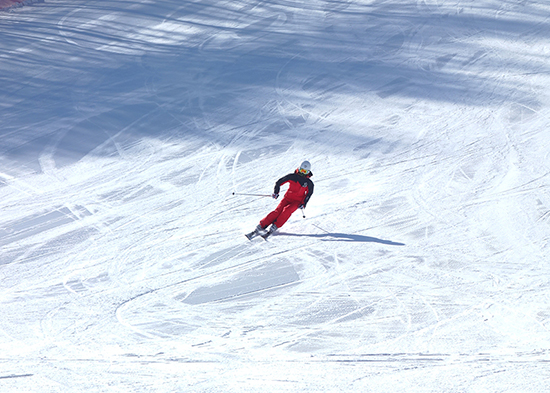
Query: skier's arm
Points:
[280, 182]
[309, 193]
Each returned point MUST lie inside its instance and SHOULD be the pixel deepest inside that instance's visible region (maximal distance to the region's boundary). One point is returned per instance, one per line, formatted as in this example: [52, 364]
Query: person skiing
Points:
[300, 189]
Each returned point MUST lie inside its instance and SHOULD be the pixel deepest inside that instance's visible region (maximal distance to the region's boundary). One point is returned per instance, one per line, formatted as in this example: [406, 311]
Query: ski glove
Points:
[275, 195]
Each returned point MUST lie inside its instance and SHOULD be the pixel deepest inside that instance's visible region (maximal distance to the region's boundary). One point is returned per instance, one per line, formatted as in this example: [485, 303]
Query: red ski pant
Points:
[281, 213]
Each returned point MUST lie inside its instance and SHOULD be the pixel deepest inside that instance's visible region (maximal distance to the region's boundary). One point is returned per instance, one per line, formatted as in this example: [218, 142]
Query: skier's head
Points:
[305, 168]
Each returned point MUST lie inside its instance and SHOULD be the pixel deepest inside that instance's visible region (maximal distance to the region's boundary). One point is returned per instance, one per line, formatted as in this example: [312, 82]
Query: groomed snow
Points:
[422, 264]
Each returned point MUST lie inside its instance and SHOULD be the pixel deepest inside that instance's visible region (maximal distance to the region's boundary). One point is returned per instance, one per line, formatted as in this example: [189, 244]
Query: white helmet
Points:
[305, 168]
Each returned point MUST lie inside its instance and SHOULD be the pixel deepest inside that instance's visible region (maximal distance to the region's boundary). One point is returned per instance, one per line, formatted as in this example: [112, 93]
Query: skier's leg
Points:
[286, 213]
[271, 217]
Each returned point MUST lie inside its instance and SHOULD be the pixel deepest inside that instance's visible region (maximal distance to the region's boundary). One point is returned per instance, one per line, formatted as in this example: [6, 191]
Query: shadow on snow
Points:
[344, 237]
[193, 75]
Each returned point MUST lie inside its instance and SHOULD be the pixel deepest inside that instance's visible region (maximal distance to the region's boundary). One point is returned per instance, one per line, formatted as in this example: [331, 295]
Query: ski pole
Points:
[303, 215]
[245, 194]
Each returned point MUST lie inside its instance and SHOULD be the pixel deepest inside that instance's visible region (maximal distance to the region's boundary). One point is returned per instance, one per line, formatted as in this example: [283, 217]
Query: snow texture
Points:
[422, 264]
[7, 5]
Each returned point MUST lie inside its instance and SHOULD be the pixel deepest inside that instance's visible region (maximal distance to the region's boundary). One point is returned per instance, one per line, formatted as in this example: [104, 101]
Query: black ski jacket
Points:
[300, 187]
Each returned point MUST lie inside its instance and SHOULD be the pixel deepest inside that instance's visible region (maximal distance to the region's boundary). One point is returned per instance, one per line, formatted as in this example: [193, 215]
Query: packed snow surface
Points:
[422, 264]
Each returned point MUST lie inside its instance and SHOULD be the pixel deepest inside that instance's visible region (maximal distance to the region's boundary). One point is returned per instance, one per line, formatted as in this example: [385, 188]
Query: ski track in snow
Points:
[422, 264]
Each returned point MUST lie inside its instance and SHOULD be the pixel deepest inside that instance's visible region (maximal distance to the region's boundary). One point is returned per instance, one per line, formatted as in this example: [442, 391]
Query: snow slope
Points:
[423, 261]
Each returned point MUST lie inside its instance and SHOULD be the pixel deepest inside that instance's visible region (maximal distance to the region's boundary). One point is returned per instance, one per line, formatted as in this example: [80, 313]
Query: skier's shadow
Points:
[344, 237]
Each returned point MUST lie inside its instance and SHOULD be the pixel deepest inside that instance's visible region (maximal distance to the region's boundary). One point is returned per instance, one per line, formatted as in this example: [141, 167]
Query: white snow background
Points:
[422, 264]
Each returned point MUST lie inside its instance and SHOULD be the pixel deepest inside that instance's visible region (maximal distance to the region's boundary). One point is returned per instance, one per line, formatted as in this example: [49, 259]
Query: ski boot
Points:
[259, 231]
[271, 230]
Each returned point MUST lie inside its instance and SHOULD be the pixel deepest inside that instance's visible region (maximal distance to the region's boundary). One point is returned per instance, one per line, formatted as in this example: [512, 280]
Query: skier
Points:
[296, 197]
